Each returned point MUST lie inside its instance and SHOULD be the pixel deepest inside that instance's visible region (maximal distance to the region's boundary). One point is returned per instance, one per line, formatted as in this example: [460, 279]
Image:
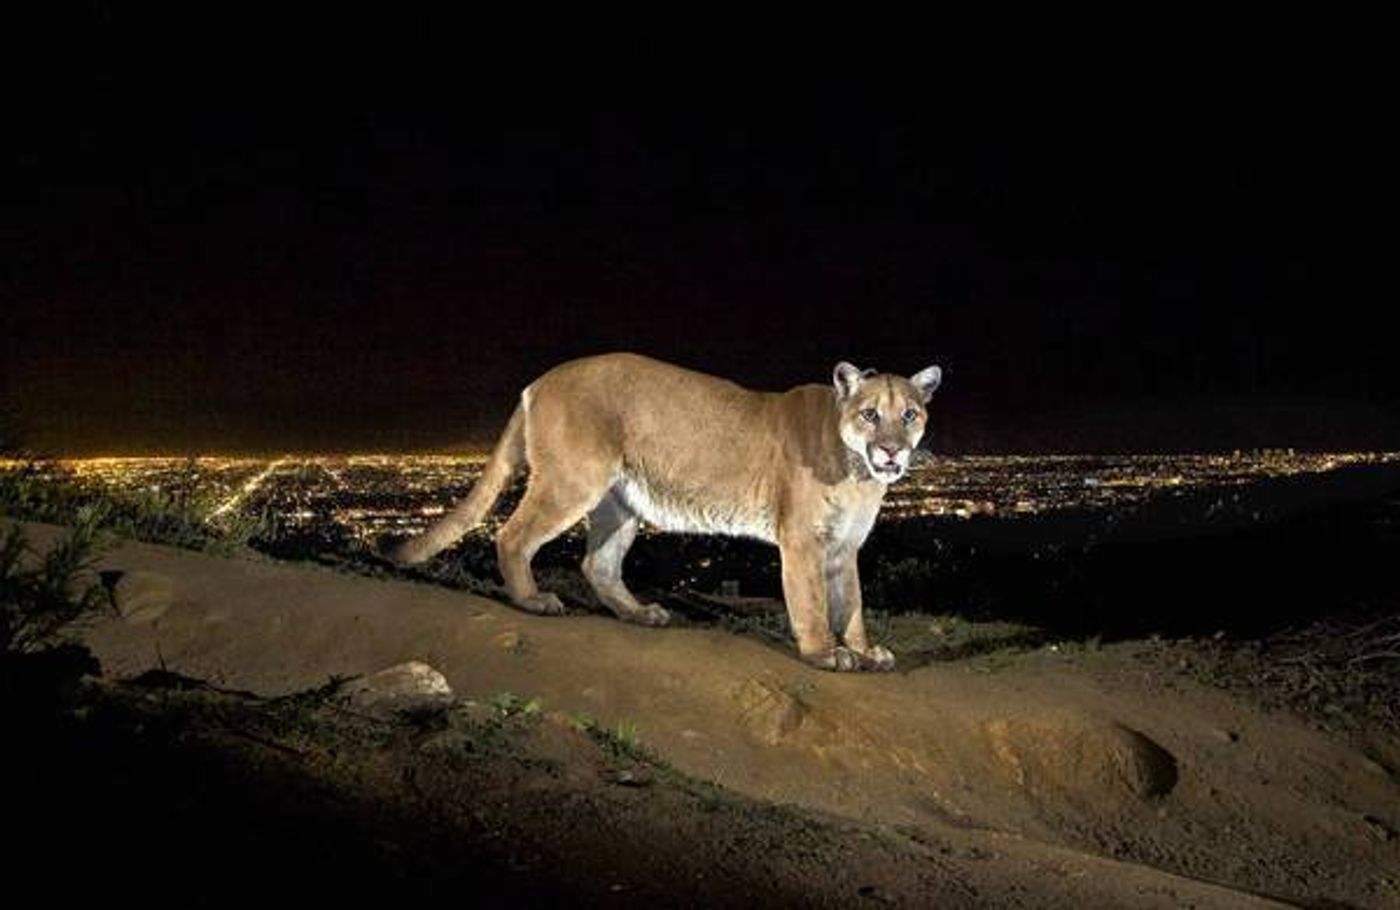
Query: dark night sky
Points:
[1174, 270]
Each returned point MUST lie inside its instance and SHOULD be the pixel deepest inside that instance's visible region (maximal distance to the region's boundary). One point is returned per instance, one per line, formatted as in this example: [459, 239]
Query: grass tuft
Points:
[620, 742]
[510, 705]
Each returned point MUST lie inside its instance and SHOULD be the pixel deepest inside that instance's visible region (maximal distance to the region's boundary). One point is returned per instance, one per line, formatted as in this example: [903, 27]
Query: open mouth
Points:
[891, 470]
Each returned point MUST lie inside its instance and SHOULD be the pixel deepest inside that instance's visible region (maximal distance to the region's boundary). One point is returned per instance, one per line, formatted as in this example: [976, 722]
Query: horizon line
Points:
[20, 459]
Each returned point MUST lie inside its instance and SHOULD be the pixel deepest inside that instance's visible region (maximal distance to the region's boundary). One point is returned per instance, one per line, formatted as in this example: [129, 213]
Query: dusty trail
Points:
[1078, 782]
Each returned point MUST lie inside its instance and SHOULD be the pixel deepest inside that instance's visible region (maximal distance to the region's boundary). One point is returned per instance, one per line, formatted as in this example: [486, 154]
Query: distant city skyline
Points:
[367, 496]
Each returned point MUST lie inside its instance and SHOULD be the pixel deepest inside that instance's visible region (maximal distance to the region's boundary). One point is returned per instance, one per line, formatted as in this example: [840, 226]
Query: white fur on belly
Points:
[669, 512]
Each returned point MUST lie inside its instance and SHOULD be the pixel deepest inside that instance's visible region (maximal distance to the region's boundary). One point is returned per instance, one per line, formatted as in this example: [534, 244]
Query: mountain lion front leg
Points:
[843, 587]
[805, 591]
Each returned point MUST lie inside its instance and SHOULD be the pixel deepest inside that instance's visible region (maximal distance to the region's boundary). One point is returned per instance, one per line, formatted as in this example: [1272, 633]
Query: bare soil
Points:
[1104, 776]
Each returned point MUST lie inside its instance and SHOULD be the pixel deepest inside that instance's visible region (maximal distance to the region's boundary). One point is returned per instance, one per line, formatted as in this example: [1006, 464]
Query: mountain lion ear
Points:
[846, 379]
[926, 381]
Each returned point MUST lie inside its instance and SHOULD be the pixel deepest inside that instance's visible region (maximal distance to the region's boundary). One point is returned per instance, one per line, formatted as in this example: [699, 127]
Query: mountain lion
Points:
[621, 439]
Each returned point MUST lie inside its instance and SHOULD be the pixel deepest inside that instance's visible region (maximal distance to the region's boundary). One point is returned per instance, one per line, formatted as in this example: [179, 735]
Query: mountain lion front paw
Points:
[840, 659]
[844, 660]
[879, 658]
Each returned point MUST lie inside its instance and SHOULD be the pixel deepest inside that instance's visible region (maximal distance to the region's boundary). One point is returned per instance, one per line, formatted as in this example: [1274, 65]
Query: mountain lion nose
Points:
[891, 452]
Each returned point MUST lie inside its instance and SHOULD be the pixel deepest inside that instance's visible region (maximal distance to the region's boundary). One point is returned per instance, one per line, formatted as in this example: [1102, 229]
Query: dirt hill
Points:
[1074, 778]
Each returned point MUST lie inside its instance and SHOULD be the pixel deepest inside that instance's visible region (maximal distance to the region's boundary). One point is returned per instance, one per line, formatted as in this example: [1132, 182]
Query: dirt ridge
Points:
[1097, 761]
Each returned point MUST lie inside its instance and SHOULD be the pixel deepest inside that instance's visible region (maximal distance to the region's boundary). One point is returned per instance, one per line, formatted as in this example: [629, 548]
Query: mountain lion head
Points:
[882, 416]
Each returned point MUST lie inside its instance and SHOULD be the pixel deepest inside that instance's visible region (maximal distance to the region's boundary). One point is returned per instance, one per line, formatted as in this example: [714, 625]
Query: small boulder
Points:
[409, 686]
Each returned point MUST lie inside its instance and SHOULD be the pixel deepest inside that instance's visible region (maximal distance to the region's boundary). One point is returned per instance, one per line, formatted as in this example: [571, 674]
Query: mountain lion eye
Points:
[910, 415]
[870, 415]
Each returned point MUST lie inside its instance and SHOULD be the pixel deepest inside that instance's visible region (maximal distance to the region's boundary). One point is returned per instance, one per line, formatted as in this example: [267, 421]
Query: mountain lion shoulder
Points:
[620, 439]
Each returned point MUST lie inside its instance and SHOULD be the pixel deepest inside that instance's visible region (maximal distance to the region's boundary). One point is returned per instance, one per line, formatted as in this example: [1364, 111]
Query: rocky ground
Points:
[580, 756]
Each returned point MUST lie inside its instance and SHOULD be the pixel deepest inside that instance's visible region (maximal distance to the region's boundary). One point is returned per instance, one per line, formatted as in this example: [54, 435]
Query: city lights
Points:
[367, 496]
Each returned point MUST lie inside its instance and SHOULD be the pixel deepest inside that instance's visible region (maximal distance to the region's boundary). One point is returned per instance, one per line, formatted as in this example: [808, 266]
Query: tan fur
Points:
[621, 439]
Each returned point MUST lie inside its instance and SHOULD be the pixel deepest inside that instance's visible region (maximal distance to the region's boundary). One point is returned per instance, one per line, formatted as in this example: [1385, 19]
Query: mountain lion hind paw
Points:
[543, 603]
[649, 615]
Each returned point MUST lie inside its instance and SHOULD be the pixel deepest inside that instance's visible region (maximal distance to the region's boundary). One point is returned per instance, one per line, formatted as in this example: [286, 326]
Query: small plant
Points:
[303, 710]
[508, 705]
[620, 742]
[468, 732]
[39, 603]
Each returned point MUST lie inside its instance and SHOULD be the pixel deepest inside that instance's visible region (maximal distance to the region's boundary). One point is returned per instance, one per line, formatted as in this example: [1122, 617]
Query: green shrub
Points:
[42, 600]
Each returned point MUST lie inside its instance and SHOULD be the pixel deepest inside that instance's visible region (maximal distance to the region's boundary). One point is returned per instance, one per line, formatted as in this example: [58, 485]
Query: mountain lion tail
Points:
[508, 456]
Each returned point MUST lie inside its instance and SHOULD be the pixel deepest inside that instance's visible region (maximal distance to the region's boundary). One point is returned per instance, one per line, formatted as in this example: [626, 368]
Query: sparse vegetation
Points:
[1340, 672]
[42, 599]
[620, 741]
[472, 730]
[508, 704]
[917, 638]
[769, 626]
[300, 710]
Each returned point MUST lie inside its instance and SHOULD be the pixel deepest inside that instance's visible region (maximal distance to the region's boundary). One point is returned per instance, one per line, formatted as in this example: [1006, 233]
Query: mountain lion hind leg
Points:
[611, 529]
[556, 499]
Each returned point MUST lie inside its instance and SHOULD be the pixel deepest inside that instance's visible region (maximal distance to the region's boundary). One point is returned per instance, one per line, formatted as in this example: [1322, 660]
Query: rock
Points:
[631, 777]
[410, 686]
[769, 712]
[509, 641]
[142, 597]
[1081, 756]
